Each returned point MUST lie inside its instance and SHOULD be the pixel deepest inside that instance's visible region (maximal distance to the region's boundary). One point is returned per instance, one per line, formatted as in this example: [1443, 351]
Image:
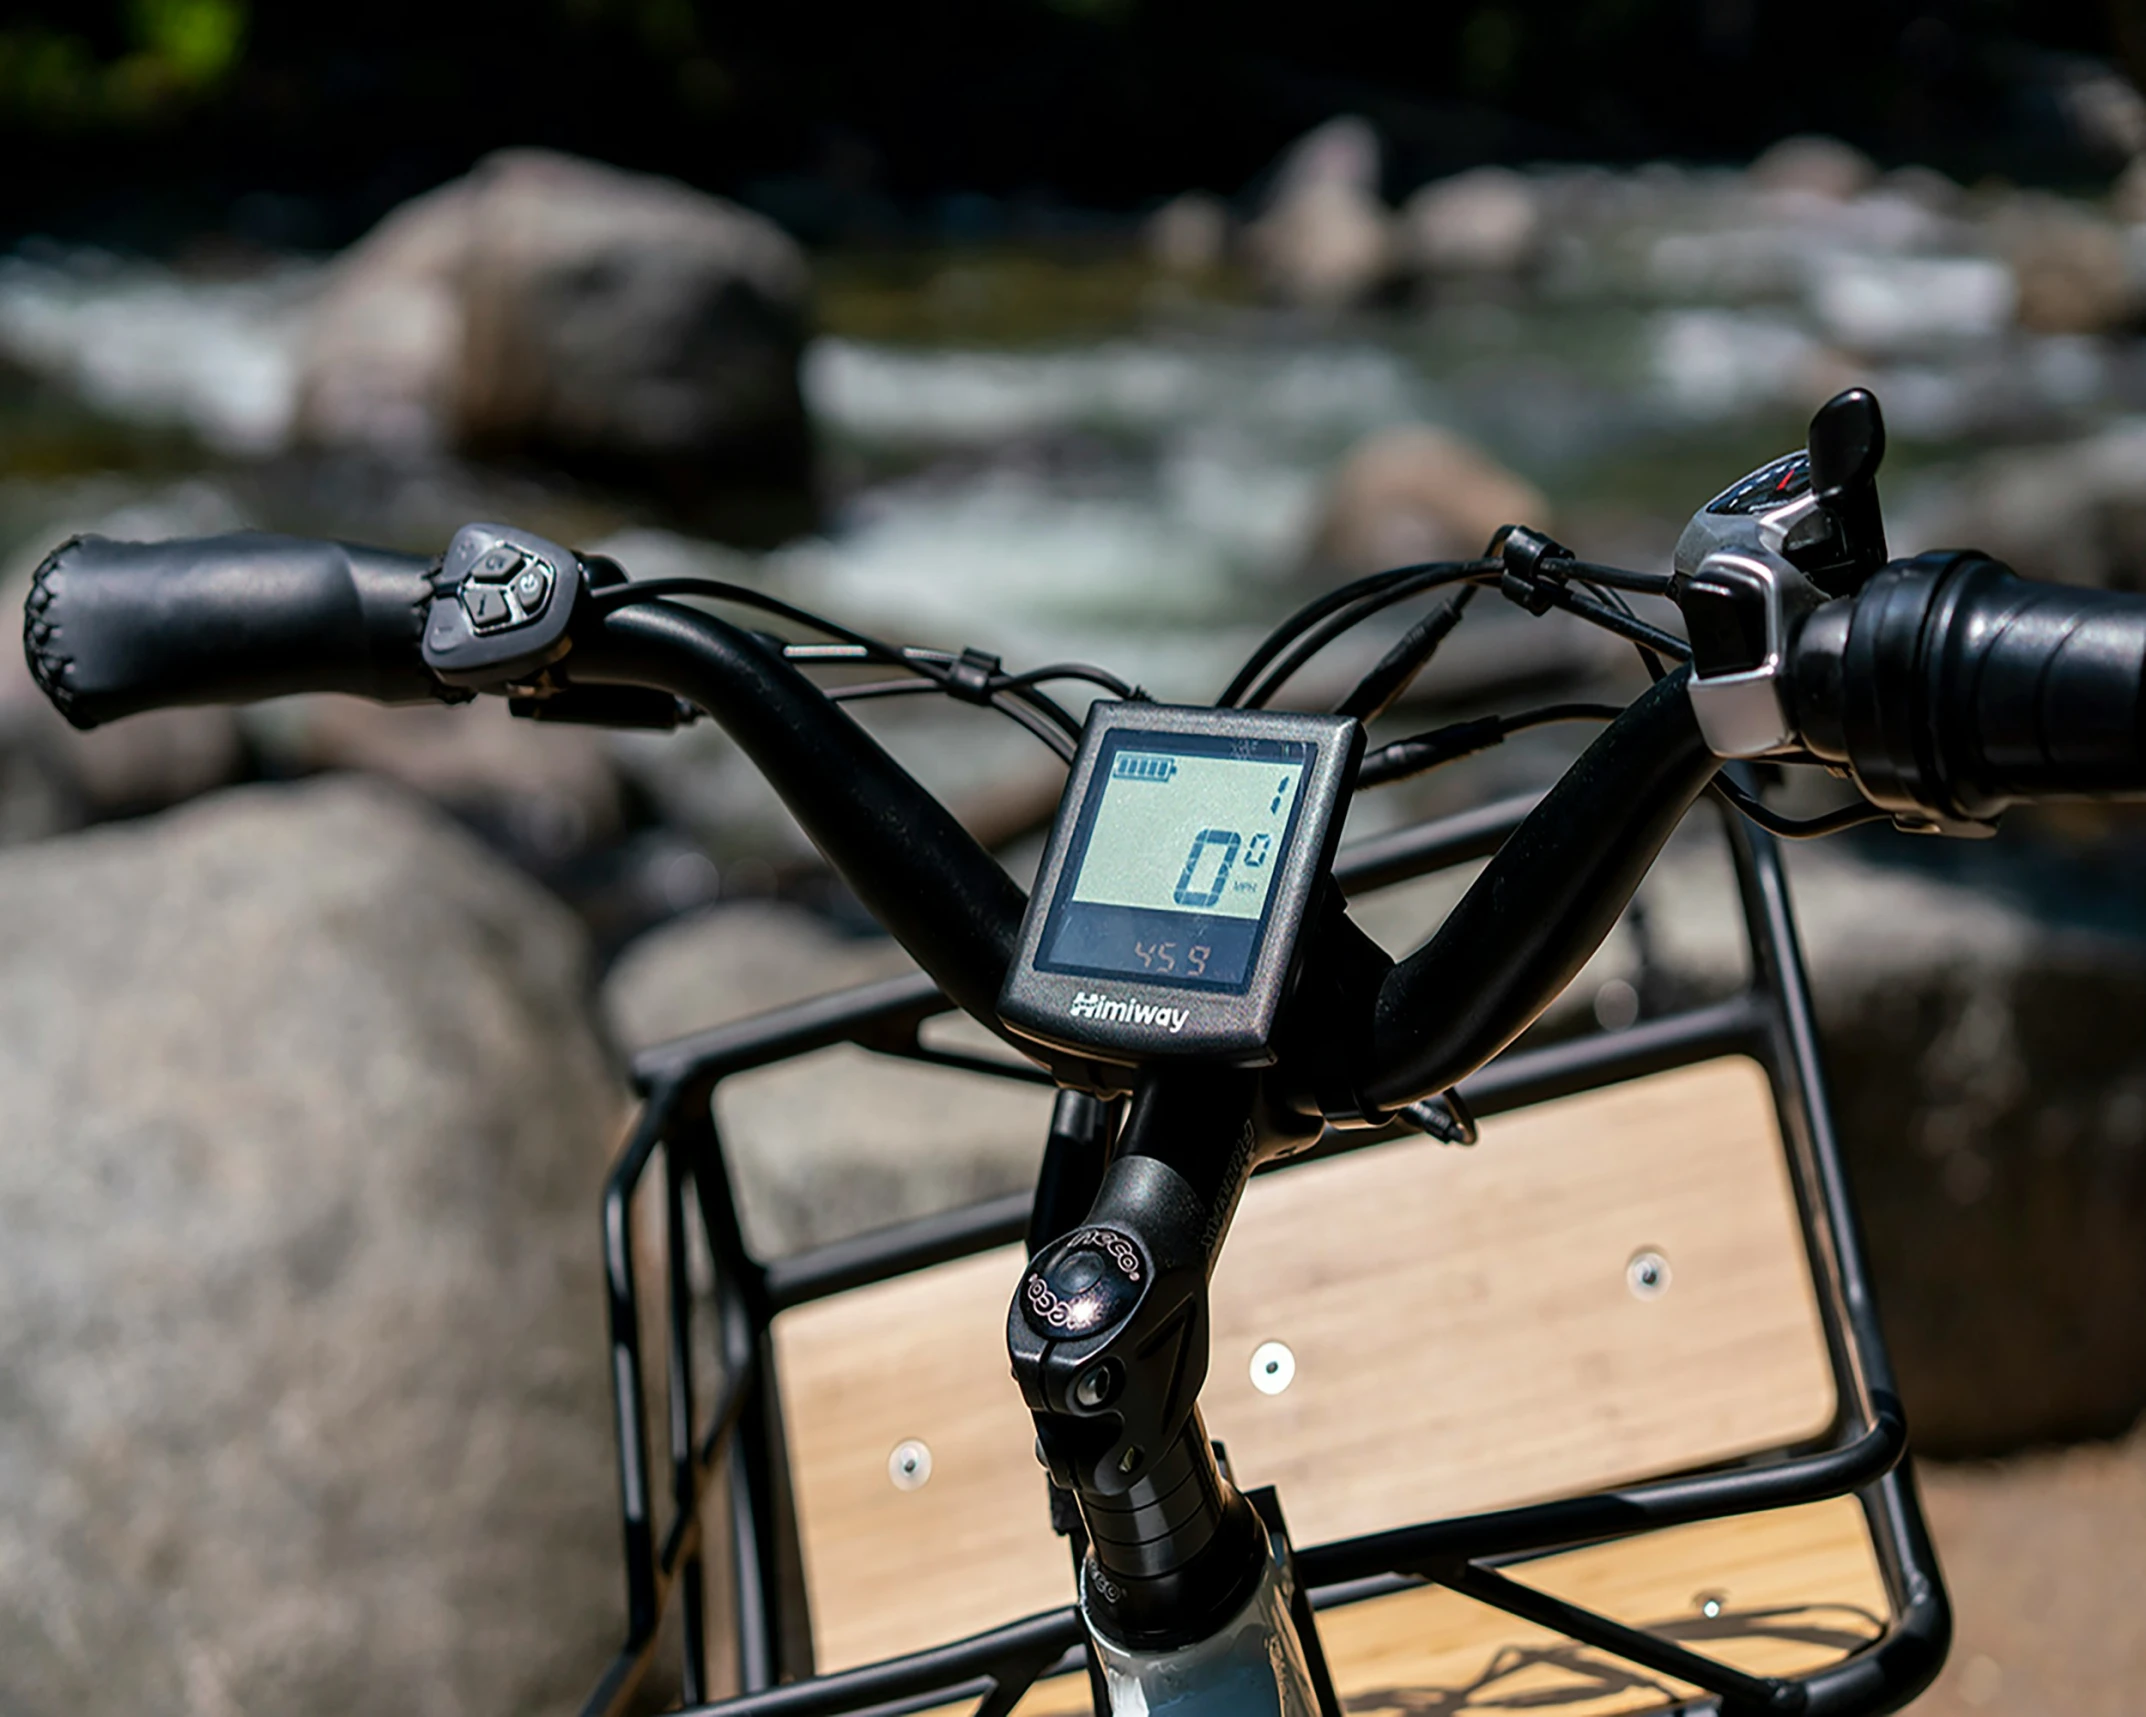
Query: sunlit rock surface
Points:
[301, 1305]
[551, 306]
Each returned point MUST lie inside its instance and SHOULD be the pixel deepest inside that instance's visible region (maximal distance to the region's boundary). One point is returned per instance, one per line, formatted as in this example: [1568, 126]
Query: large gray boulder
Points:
[1987, 1052]
[301, 1310]
[2074, 512]
[842, 1140]
[555, 307]
[2073, 265]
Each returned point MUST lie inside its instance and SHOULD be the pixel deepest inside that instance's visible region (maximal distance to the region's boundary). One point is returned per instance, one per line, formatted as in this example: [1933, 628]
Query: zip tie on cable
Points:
[970, 676]
[1528, 578]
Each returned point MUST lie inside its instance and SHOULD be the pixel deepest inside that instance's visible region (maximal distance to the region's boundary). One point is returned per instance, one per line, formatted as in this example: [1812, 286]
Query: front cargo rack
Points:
[731, 1453]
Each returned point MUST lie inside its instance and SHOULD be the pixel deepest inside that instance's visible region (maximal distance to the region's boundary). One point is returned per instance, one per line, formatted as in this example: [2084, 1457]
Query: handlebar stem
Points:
[1108, 1335]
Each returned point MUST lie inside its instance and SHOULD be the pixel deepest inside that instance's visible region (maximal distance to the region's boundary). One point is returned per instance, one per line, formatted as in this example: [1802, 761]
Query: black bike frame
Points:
[740, 1437]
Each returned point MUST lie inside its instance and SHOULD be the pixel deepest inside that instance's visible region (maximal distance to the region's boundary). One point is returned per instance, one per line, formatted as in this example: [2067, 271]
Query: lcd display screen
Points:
[1170, 874]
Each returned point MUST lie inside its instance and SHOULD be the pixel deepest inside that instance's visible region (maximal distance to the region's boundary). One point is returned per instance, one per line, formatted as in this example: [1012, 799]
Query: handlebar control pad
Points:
[505, 599]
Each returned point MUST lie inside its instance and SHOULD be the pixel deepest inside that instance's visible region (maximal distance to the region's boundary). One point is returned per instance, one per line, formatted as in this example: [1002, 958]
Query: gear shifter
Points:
[1764, 553]
[1847, 441]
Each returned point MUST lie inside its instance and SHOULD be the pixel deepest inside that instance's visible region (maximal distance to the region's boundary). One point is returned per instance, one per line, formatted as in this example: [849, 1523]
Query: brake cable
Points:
[1426, 751]
[1773, 822]
[1406, 582]
[1320, 607]
[972, 676]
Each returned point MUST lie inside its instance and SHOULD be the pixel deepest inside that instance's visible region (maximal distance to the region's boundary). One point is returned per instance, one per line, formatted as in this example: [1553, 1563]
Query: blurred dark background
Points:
[299, 126]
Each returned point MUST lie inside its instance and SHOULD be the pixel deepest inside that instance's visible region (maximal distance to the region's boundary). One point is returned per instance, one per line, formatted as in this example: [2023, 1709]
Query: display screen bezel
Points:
[1295, 753]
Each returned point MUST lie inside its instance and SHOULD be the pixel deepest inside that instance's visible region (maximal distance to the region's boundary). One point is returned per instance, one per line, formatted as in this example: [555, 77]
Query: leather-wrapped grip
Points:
[114, 628]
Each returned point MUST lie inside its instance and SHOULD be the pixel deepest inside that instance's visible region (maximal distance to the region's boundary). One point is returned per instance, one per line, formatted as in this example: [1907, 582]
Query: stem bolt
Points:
[1095, 1386]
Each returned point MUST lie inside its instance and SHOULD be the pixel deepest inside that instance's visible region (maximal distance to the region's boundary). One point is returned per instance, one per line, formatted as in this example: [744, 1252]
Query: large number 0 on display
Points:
[1230, 843]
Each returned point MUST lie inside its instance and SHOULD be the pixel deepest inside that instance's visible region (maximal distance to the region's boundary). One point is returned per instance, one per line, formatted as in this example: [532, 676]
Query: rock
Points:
[1325, 240]
[1989, 1082]
[544, 791]
[301, 1302]
[381, 353]
[2075, 512]
[839, 1141]
[1343, 151]
[1822, 167]
[2127, 197]
[2073, 268]
[1485, 222]
[2103, 109]
[1926, 187]
[1189, 234]
[553, 307]
[1417, 492]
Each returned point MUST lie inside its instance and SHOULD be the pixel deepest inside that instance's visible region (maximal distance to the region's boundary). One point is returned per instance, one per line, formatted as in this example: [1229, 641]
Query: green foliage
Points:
[176, 52]
[196, 42]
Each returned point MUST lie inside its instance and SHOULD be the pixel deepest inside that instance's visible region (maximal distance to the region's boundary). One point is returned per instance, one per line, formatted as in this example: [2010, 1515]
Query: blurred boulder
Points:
[1822, 167]
[543, 791]
[1989, 1080]
[2100, 107]
[1486, 222]
[554, 307]
[2075, 512]
[303, 1301]
[2073, 267]
[1417, 492]
[379, 356]
[1189, 234]
[1325, 239]
[2127, 197]
[841, 1140]
[1925, 187]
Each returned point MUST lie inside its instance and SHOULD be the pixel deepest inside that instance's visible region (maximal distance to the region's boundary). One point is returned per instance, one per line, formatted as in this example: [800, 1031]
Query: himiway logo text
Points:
[1092, 1004]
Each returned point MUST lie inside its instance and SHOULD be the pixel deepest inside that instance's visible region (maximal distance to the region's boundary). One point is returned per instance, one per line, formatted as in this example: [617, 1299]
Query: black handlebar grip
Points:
[1953, 688]
[113, 628]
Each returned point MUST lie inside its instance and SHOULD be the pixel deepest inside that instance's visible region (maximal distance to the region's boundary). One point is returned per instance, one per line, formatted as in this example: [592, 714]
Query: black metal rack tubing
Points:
[1756, 1693]
[1771, 1021]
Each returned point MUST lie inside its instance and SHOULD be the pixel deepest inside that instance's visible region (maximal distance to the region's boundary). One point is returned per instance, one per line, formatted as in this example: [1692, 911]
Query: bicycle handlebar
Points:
[918, 871]
[1948, 686]
[1542, 906]
[112, 629]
